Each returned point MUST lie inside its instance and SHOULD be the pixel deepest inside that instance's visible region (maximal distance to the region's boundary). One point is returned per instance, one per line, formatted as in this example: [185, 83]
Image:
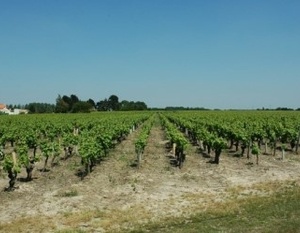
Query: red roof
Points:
[2, 106]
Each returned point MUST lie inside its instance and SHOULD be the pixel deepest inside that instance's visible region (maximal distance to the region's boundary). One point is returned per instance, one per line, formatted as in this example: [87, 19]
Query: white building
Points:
[15, 111]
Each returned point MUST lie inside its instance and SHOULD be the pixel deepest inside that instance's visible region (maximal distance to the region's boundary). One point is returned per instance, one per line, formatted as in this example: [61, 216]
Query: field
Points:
[236, 195]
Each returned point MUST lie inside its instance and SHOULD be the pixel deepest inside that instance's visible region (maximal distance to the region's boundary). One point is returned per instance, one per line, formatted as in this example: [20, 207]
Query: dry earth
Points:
[117, 195]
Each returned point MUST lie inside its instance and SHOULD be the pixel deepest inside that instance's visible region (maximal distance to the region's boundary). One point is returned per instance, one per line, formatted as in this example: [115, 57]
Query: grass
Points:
[278, 212]
[73, 166]
[71, 231]
[29, 224]
[69, 193]
[188, 177]
[126, 159]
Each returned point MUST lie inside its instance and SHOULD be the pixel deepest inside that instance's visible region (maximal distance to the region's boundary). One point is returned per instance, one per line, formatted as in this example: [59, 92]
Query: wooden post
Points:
[200, 144]
[274, 149]
[266, 147]
[75, 131]
[174, 149]
[248, 152]
[14, 156]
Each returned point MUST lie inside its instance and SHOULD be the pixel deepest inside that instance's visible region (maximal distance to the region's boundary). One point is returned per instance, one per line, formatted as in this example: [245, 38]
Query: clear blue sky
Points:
[214, 54]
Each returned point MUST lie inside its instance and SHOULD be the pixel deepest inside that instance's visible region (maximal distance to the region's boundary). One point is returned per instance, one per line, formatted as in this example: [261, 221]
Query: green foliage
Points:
[50, 148]
[219, 143]
[105, 141]
[31, 138]
[173, 134]
[89, 149]
[255, 150]
[40, 108]
[141, 141]
[8, 164]
[72, 104]
[241, 128]
[110, 104]
[46, 148]
[82, 106]
[22, 152]
[69, 139]
[132, 106]
[113, 104]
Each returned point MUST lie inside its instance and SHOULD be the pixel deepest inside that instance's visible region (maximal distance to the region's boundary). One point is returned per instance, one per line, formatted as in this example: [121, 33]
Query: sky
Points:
[226, 54]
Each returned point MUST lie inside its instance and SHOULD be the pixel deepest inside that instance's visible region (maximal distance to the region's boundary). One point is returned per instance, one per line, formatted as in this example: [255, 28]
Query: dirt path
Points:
[118, 195]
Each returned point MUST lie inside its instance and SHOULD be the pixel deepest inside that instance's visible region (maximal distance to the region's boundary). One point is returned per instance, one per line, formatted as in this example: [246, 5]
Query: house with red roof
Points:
[4, 109]
[2, 106]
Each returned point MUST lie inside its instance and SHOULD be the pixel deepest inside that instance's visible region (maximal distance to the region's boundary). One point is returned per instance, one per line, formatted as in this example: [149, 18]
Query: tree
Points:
[74, 99]
[68, 102]
[82, 106]
[61, 105]
[40, 107]
[103, 105]
[124, 105]
[114, 102]
[129, 106]
[92, 103]
[140, 105]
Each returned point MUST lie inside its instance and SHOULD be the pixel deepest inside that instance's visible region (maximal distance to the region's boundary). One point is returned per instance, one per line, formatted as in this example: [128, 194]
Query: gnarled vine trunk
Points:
[217, 155]
[29, 170]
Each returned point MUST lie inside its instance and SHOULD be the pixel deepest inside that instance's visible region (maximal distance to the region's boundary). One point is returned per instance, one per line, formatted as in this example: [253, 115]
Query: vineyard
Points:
[114, 171]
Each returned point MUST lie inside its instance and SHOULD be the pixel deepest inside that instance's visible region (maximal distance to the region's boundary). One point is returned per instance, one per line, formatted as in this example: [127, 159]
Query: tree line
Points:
[72, 104]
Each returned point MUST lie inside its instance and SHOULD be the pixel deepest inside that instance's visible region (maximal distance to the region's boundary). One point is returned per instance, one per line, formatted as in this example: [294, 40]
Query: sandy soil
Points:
[117, 195]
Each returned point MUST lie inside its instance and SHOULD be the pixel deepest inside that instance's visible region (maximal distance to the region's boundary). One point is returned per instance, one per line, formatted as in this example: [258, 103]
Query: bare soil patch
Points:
[117, 195]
